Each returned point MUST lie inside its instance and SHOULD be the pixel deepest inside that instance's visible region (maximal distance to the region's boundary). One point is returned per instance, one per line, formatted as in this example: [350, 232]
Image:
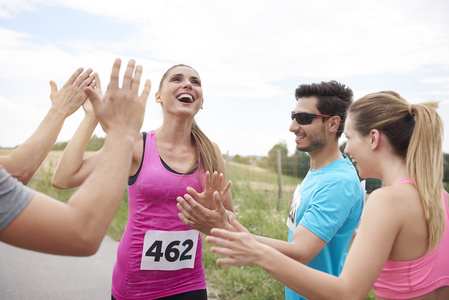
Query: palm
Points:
[210, 186]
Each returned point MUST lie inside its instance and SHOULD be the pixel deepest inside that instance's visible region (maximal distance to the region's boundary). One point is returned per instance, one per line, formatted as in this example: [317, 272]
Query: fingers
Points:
[136, 80]
[84, 78]
[146, 90]
[193, 192]
[74, 76]
[220, 180]
[53, 87]
[217, 201]
[185, 220]
[226, 188]
[97, 82]
[128, 77]
[207, 181]
[239, 227]
[115, 74]
[214, 181]
[94, 98]
[183, 206]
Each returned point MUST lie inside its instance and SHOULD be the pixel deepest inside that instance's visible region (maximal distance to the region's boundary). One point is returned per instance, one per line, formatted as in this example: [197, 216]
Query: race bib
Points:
[291, 220]
[169, 250]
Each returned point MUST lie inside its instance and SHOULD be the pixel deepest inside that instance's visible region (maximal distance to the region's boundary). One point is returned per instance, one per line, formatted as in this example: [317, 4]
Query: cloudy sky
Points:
[251, 55]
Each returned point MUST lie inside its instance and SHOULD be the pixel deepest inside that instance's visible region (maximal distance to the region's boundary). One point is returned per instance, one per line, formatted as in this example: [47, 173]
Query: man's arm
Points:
[23, 162]
[304, 247]
[78, 227]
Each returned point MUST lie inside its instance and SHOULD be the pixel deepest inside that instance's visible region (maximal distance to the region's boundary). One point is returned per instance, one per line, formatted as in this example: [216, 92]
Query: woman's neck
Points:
[176, 132]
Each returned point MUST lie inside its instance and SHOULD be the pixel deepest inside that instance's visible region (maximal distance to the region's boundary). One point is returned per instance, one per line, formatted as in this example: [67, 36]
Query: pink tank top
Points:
[158, 255]
[410, 279]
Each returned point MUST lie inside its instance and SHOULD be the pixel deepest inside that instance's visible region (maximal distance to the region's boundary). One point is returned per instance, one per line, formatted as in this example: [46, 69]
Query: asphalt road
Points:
[31, 275]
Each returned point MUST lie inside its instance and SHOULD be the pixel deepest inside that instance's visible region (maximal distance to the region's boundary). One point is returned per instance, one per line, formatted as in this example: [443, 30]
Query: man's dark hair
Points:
[334, 99]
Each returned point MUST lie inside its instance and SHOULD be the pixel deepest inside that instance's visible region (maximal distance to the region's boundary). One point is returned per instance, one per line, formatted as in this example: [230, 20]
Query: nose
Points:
[345, 150]
[187, 84]
[294, 126]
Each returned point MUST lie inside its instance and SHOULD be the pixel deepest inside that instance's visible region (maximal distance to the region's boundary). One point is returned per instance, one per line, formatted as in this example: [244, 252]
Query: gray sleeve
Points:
[14, 196]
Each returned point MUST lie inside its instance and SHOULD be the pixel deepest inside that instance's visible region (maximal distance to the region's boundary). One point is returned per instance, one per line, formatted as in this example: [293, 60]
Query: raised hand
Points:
[121, 108]
[201, 218]
[96, 85]
[206, 197]
[70, 97]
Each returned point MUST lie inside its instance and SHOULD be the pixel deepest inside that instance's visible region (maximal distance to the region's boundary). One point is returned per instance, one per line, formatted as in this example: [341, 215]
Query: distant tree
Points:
[264, 162]
[300, 164]
[95, 143]
[273, 156]
[242, 160]
[59, 146]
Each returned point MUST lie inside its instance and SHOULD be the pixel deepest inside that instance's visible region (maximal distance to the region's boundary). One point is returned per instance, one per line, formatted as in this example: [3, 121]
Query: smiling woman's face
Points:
[181, 90]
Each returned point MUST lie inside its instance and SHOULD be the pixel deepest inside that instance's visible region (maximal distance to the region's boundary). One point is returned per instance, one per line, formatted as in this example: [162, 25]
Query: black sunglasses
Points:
[305, 118]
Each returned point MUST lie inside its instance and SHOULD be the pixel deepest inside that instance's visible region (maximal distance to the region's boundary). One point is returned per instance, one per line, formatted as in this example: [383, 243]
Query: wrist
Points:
[57, 113]
[123, 134]
[90, 118]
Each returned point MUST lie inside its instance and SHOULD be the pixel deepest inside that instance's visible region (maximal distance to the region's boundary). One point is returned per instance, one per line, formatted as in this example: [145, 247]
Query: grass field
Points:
[257, 207]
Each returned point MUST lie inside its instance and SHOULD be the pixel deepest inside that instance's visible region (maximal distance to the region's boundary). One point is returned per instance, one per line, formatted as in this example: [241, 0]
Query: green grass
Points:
[256, 206]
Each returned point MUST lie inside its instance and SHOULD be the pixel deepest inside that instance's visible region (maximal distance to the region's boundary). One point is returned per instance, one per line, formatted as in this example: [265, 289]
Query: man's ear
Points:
[334, 123]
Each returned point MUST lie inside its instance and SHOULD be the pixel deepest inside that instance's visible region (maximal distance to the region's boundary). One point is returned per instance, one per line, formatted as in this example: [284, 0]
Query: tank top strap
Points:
[404, 180]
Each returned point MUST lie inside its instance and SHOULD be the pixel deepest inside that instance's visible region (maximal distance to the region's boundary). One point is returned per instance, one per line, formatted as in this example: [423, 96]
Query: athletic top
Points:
[158, 255]
[14, 196]
[329, 203]
[410, 279]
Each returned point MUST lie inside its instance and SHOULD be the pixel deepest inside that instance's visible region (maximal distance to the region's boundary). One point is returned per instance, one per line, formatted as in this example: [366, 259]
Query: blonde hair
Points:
[206, 156]
[415, 133]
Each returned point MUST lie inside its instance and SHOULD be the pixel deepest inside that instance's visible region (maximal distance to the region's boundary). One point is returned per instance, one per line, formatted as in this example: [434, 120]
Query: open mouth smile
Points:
[185, 98]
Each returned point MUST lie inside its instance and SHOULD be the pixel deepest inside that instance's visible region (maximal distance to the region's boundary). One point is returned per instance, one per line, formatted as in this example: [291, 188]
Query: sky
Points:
[251, 56]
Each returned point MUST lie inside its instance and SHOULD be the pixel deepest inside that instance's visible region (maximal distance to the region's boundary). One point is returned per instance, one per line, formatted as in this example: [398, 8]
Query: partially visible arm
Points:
[73, 169]
[305, 245]
[78, 227]
[23, 162]
[363, 265]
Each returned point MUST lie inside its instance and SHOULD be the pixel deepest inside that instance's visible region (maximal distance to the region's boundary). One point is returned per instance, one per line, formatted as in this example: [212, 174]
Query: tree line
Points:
[296, 165]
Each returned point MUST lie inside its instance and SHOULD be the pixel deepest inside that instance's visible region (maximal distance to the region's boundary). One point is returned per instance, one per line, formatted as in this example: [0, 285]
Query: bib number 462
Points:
[171, 253]
[169, 250]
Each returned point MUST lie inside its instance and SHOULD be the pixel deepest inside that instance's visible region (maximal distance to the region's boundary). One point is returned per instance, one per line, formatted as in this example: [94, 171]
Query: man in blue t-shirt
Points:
[327, 205]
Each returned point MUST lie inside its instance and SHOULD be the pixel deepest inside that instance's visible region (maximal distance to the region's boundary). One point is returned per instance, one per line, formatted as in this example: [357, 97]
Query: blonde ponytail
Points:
[424, 163]
[206, 154]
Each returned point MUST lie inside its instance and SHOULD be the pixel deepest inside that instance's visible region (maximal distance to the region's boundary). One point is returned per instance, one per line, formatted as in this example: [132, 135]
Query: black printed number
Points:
[172, 252]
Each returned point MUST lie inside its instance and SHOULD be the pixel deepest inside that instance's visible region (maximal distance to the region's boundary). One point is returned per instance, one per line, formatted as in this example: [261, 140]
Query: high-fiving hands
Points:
[121, 109]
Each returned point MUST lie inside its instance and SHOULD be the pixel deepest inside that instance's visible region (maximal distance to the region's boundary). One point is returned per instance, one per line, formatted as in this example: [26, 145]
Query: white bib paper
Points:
[169, 250]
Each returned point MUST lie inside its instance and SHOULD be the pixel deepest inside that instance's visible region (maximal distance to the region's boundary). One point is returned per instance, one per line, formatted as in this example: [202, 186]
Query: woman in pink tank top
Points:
[402, 246]
[159, 257]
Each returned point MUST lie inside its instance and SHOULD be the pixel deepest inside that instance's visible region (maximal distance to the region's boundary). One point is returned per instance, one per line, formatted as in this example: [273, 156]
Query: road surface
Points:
[35, 276]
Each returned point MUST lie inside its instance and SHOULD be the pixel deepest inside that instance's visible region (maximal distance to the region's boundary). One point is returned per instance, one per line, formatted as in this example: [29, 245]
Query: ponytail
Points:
[206, 154]
[424, 163]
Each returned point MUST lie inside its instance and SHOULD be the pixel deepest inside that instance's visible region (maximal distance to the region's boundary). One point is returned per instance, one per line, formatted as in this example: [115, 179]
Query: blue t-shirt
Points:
[329, 203]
